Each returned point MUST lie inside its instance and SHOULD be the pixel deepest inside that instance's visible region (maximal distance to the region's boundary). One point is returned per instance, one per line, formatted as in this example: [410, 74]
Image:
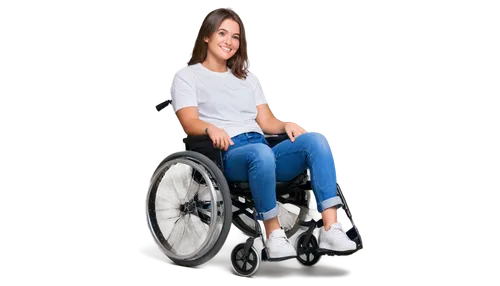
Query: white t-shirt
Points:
[222, 99]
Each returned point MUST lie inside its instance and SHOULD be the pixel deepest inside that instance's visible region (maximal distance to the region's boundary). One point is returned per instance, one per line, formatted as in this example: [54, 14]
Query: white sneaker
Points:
[279, 247]
[335, 239]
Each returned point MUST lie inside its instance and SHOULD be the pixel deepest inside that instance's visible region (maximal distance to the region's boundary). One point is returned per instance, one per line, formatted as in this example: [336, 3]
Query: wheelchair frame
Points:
[307, 246]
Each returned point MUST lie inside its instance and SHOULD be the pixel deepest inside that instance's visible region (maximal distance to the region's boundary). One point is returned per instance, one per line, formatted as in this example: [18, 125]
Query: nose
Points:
[228, 41]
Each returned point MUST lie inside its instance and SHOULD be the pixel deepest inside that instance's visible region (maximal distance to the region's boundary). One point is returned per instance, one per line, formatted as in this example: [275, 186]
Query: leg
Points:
[312, 150]
[255, 163]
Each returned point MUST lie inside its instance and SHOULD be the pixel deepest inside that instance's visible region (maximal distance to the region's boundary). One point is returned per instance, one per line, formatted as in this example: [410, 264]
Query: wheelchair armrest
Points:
[198, 140]
[203, 144]
[274, 139]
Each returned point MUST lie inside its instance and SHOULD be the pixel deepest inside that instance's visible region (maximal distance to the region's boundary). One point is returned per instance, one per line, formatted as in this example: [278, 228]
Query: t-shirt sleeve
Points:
[258, 92]
[183, 92]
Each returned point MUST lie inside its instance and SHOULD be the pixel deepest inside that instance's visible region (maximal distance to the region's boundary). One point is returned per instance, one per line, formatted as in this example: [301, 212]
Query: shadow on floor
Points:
[292, 269]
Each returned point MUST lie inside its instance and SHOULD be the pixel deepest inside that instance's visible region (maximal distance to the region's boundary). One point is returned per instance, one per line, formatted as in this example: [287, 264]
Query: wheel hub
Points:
[188, 207]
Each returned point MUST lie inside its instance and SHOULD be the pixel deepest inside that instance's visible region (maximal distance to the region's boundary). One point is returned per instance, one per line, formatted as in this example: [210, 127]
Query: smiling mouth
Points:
[226, 51]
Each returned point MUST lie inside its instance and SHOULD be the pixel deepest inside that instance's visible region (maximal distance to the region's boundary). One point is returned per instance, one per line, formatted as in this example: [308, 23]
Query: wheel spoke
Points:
[166, 210]
[239, 255]
[181, 216]
[197, 191]
[244, 264]
[198, 229]
[183, 225]
[202, 214]
[188, 209]
[173, 217]
[239, 263]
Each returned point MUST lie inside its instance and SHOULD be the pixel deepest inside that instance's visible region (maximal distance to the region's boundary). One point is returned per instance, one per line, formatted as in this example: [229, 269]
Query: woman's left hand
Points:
[293, 130]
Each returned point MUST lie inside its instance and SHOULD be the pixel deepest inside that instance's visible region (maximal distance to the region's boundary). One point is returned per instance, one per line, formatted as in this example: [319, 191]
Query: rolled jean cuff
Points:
[331, 202]
[269, 214]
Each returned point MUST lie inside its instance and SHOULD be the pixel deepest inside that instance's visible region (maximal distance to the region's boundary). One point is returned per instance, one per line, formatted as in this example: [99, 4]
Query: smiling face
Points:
[222, 30]
[224, 43]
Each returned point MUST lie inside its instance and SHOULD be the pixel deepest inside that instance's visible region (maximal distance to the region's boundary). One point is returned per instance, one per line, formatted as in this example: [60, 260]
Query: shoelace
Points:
[341, 229]
[281, 240]
[335, 229]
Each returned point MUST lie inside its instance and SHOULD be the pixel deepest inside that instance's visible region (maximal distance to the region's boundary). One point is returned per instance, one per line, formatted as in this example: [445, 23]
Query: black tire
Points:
[244, 266]
[307, 254]
[218, 176]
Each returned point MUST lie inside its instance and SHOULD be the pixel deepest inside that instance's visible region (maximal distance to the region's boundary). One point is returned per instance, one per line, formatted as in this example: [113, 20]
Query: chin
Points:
[227, 57]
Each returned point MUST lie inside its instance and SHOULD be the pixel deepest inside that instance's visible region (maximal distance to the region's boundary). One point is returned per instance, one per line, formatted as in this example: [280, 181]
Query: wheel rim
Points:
[308, 254]
[184, 223]
[245, 265]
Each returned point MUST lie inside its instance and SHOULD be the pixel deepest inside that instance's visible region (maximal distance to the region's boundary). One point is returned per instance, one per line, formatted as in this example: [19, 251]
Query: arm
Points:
[185, 103]
[267, 122]
[192, 125]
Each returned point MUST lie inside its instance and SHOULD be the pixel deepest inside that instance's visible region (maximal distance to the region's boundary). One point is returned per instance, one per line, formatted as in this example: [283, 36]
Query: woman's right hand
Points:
[219, 137]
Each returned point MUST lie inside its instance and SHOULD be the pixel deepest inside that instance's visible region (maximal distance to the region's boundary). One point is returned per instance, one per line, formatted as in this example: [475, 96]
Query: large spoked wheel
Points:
[307, 254]
[189, 208]
[244, 265]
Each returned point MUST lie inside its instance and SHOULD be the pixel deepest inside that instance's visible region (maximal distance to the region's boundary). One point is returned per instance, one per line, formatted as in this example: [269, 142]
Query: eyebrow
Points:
[226, 31]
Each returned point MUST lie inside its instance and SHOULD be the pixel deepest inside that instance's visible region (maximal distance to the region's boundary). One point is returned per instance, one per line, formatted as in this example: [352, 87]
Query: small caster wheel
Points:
[244, 266]
[307, 254]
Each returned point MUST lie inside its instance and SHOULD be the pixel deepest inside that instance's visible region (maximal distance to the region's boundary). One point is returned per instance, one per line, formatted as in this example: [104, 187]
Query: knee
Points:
[316, 141]
[262, 155]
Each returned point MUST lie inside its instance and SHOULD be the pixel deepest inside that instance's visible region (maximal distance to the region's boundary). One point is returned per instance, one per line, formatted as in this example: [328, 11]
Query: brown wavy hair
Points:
[239, 61]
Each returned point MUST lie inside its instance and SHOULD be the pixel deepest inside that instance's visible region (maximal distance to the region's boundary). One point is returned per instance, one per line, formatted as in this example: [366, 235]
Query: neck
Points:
[215, 65]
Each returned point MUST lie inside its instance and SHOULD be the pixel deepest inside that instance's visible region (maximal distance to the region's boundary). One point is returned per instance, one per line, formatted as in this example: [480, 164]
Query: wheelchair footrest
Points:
[265, 257]
[280, 258]
[333, 252]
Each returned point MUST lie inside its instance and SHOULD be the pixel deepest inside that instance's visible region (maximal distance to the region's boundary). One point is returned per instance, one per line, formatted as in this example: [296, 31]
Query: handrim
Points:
[215, 231]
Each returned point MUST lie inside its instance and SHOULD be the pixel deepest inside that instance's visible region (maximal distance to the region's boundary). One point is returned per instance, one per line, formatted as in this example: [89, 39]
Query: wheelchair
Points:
[190, 207]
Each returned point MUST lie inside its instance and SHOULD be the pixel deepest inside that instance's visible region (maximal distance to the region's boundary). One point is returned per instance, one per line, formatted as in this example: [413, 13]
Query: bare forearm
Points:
[274, 126]
[197, 127]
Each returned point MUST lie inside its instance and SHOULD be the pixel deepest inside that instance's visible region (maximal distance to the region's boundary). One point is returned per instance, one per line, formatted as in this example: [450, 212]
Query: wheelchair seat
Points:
[203, 144]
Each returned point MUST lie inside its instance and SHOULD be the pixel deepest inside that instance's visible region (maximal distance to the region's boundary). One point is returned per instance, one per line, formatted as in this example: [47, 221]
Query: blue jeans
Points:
[252, 160]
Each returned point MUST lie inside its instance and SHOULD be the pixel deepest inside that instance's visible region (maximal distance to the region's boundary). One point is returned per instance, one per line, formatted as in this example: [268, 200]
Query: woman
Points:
[216, 95]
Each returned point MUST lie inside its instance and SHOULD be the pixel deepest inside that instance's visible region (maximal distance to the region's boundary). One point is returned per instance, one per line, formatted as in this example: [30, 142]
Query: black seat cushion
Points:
[275, 139]
[203, 144]
[281, 187]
